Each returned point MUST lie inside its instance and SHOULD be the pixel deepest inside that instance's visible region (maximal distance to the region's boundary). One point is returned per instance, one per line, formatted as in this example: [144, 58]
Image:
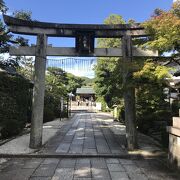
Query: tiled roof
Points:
[85, 90]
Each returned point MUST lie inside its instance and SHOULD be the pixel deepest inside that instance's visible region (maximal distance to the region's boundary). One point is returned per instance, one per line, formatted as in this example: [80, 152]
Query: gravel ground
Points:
[20, 145]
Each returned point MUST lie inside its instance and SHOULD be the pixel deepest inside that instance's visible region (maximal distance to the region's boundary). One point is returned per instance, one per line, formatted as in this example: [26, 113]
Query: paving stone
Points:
[132, 168]
[155, 176]
[83, 163]
[68, 138]
[112, 161]
[40, 178]
[32, 163]
[103, 149]
[83, 172]
[115, 167]
[76, 149]
[78, 141]
[4, 163]
[63, 148]
[89, 151]
[45, 170]
[142, 163]
[14, 174]
[119, 176]
[100, 174]
[82, 178]
[126, 161]
[51, 161]
[67, 163]
[135, 176]
[98, 163]
[71, 132]
[14, 164]
[63, 174]
[116, 151]
[89, 146]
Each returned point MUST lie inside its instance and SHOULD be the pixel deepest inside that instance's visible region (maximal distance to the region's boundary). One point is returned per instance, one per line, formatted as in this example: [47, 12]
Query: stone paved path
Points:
[86, 133]
[85, 169]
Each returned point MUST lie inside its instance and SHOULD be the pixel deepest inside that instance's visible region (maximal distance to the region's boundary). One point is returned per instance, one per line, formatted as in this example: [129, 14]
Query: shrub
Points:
[52, 107]
[14, 104]
[49, 108]
[175, 106]
[164, 137]
[121, 113]
[145, 122]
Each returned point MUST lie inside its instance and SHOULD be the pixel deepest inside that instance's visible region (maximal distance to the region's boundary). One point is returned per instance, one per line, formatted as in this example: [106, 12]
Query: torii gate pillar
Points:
[129, 94]
[38, 92]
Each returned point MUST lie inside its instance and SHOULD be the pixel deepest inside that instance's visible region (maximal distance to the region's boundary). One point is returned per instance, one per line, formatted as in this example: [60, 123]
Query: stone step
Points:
[176, 122]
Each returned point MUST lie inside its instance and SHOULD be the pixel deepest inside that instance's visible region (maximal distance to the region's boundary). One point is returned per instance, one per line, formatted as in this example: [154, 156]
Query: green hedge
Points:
[14, 104]
[52, 107]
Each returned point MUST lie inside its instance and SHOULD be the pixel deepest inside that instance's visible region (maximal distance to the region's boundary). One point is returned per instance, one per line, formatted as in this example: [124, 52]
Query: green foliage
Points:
[151, 105]
[58, 84]
[121, 113]
[6, 38]
[3, 7]
[25, 67]
[74, 82]
[88, 81]
[24, 15]
[103, 104]
[51, 107]
[14, 104]
[175, 107]
[62, 82]
[176, 8]
[164, 29]
[108, 80]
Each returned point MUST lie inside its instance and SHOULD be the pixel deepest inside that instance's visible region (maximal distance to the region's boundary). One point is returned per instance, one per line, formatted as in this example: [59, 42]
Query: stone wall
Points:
[174, 143]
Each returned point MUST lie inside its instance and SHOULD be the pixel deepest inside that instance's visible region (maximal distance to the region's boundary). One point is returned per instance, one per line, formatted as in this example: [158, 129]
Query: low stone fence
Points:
[174, 142]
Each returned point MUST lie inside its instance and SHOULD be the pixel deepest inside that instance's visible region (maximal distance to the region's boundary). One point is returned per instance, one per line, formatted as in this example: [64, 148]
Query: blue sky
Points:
[85, 12]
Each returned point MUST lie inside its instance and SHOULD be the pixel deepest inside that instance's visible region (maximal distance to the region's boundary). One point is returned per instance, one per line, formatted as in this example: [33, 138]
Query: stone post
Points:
[38, 93]
[174, 143]
[129, 94]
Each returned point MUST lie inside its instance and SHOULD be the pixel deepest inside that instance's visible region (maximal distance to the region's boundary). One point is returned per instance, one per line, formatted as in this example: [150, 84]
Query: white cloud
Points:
[81, 73]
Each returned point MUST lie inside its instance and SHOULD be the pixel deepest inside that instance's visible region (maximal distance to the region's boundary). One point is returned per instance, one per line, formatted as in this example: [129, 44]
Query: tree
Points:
[3, 7]
[24, 15]
[164, 29]
[148, 79]
[7, 39]
[151, 104]
[58, 84]
[108, 80]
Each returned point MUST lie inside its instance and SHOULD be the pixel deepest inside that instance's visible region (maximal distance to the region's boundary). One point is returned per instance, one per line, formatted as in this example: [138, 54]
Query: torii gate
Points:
[85, 35]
